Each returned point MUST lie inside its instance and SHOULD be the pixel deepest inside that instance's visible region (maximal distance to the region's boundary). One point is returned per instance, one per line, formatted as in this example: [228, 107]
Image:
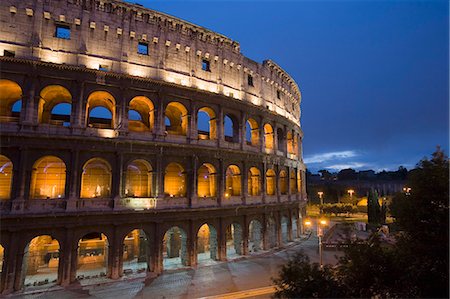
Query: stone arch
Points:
[144, 107]
[40, 262]
[293, 181]
[101, 99]
[206, 181]
[96, 179]
[252, 132]
[174, 180]
[211, 133]
[175, 253]
[231, 128]
[10, 94]
[92, 256]
[138, 179]
[177, 114]
[48, 178]
[271, 228]
[6, 176]
[299, 181]
[283, 182]
[207, 245]
[234, 239]
[255, 236]
[290, 142]
[136, 253]
[50, 97]
[280, 140]
[284, 229]
[232, 181]
[271, 178]
[254, 181]
[268, 136]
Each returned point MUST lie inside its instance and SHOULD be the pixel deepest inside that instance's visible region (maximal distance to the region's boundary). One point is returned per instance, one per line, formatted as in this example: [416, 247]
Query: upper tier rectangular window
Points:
[206, 65]
[278, 94]
[62, 31]
[142, 48]
[250, 80]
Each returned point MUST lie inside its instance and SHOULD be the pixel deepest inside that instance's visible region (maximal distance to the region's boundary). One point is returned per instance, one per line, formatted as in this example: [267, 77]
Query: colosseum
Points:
[133, 142]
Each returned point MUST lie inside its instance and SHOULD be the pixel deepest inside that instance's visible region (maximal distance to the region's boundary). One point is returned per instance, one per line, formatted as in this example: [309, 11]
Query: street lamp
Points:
[350, 192]
[321, 223]
[320, 193]
[407, 190]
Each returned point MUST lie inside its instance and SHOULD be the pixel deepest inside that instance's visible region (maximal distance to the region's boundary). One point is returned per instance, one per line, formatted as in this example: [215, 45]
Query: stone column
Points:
[160, 127]
[244, 175]
[193, 132]
[262, 142]
[192, 180]
[122, 115]
[245, 236]
[277, 182]
[222, 241]
[22, 182]
[115, 256]
[265, 232]
[220, 127]
[10, 266]
[117, 190]
[65, 259]
[19, 259]
[278, 228]
[157, 252]
[289, 228]
[220, 182]
[263, 182]
[243, 127]
[73, 180]
[191, 244]
[160, 175]
[77, 111]
[28, 110]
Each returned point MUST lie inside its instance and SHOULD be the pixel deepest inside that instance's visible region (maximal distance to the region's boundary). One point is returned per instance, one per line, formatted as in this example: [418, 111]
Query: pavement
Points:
[249, 277]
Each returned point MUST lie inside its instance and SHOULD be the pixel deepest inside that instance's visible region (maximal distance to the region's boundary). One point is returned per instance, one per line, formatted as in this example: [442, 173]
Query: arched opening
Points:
[6, 173]
[206, 124]
[40, 262]
[280, 140]
[271, 232]
[101, 110]
[234, 240]
[252, 132]
[141, 114]
[175, 248]
[138, 181]
[230, 128]
[96, 179]
[295, 144]
[283, 182]
[254, 181]
[206, 243]
[232, 181]
[299, 181]
[10, 101]
[206, 181]
[92, 260]
[50, 97]
[60, 114]
[293, 181]
[268, 137]
[48, 179]
[284, 229]
[177, 115]
[270, 182]
[175, 181]
[136, 253]
[290, 142]
[255, 241]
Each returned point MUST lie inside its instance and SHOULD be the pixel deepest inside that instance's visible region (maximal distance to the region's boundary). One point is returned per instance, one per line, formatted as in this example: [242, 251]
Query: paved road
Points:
[219, 279]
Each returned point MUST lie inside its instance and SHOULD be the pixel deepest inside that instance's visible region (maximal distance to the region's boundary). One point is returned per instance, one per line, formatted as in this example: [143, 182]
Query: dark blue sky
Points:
[373, 74]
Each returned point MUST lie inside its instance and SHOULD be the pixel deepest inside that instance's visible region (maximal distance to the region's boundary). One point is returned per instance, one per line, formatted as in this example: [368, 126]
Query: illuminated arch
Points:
[231, 128]
[268, 136]
[206, 181]
[138, 179]
[270, 182]
[254, 181]
[48, 179]
[101, 99]
[96, 179]
[177, 114]
[212, 124]
[232, 181]
[175, 180]
[207, 245]
[136, 252]
[234, 238]
[146, 110]
[252, 132]
[10, 94]
[299, 181]
[175, 248]
[255, 236]
[6, 174]
[283, 182]
[293, 181]
[290, 142]
[92, 257]
[280, 140]
[50, 97]
[41, 261]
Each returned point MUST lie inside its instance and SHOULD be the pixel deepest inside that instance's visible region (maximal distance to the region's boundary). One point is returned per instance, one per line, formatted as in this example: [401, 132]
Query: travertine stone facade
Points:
[68, 176]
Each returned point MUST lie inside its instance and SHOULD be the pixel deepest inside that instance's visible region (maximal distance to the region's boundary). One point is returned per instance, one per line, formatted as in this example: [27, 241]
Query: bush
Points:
[338, 208]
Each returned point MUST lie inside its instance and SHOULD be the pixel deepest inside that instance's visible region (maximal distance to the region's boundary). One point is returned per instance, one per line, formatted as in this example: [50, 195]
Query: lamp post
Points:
[407, 190]
[320, 193]
[321, 223]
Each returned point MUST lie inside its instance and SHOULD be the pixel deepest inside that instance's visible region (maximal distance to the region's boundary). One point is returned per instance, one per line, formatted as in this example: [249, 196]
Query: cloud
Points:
[353, 165]
[320, 158]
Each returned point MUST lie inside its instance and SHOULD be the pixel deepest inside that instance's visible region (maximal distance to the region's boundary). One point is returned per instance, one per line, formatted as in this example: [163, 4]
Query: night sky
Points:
[373, 74]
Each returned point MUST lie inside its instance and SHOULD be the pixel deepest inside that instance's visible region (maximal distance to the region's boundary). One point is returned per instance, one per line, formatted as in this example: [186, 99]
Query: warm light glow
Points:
[6, 170]
[308, 222]
[323, 222]
[320, 193]
[351, 192]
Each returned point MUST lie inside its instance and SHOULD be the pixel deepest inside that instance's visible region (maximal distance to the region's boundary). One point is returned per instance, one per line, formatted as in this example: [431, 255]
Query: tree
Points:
[347, 175]
[423, 217]
[373, 208]
[301, 279]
